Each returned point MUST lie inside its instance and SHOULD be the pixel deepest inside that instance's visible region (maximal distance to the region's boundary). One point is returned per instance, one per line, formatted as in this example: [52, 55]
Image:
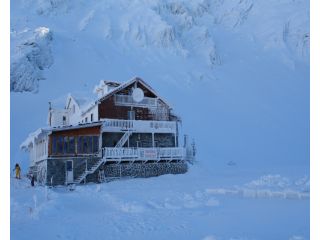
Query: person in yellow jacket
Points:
[17, 171]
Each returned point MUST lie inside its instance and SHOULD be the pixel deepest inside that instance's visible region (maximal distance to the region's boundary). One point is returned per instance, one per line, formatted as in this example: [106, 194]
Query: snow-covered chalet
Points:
[127, 131]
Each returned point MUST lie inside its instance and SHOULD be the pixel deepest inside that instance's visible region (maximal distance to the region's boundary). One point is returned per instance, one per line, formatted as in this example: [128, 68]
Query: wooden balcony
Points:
[127, 100]
[143, 154]
[118, 125]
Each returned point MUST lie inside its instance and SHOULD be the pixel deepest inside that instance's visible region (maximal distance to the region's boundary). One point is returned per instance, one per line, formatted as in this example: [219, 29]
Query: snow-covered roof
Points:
[80, 125]
[84, 102]
[47, 130]
[126, 84]
[103, 83]
[33, 136]
[82, 99]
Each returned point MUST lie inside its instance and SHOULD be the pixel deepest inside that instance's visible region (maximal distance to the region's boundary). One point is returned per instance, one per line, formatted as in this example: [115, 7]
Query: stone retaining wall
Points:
[56, 169]
[144, 169]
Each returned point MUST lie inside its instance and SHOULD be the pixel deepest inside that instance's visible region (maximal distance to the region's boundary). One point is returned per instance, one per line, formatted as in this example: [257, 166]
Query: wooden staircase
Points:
[102, 161]
[90, 170]
[123, 139]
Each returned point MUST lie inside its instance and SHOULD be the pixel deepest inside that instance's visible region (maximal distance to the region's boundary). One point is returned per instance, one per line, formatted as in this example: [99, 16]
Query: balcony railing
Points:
[115, 125]
[144, 154]
[127, 100]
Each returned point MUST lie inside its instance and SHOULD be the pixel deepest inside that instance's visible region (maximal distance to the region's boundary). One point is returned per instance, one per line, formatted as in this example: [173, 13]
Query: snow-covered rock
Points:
[30, 55]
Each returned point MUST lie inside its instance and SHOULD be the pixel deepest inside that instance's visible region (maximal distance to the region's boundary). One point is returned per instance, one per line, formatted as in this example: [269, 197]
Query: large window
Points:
[75, 144]
[79, 144]
[89, 141]
[65, 144]
[54, 145]
[95, 143]
[72, 146]
[59, 144]
[85, 144]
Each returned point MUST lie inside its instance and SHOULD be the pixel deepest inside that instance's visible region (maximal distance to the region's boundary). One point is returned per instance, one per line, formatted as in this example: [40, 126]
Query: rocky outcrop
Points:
[29, 57]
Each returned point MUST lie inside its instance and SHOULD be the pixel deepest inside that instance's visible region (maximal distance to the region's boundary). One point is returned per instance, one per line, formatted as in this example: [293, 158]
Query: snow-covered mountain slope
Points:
[186, 29]
[236, 71]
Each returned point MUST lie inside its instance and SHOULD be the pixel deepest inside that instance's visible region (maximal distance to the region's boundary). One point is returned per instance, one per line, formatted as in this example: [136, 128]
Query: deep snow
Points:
[215, 204]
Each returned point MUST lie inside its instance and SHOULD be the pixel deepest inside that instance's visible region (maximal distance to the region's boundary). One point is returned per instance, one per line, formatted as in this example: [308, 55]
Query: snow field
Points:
[169, 206]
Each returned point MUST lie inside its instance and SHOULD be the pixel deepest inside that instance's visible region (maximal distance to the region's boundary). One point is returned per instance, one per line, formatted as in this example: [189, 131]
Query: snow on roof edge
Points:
[80, 125]
[32, 136]
[127, 83]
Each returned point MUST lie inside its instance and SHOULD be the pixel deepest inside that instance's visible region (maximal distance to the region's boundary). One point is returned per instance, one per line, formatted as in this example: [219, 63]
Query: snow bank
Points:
[166, 207]
[269, 181]
[268, 186]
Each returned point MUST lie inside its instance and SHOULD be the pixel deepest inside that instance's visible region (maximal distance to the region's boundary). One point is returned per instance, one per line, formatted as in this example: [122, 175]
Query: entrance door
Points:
[69, 171]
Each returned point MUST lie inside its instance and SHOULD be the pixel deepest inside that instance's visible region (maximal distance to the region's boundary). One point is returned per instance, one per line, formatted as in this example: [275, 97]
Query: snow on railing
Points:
[144, 154]
[139, 125]
[127, 100]
[117, 123]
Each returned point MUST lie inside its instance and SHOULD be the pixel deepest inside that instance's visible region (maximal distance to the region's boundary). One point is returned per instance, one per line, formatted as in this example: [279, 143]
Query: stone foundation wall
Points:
[56, 169]
[140, 170]
[144, 170]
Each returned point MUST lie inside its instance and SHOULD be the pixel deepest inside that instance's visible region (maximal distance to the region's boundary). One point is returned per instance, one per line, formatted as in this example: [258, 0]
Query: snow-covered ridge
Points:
[189, 29]
[30, 55]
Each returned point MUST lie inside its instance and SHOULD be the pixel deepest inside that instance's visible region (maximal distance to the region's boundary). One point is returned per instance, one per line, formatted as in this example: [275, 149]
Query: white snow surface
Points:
[167, 207]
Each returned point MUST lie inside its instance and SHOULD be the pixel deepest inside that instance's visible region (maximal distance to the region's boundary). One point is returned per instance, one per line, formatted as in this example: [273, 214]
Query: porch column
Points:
[153, 139]
[175, 140]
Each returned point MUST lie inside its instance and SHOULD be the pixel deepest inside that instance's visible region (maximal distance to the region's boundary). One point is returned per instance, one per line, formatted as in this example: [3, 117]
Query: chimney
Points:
[105, 87]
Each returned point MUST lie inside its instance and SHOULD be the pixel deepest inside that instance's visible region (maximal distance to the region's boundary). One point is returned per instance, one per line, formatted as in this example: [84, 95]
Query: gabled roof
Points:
[128, 83]
[83, 101]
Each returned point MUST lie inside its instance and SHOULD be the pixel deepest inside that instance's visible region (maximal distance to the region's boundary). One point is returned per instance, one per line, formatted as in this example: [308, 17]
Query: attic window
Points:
[64, 120]
[91, 117]
[73, 108]
[86, 119]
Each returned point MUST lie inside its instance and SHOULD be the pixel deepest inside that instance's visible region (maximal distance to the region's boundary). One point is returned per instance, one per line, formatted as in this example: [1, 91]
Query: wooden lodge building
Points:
[128, 131]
